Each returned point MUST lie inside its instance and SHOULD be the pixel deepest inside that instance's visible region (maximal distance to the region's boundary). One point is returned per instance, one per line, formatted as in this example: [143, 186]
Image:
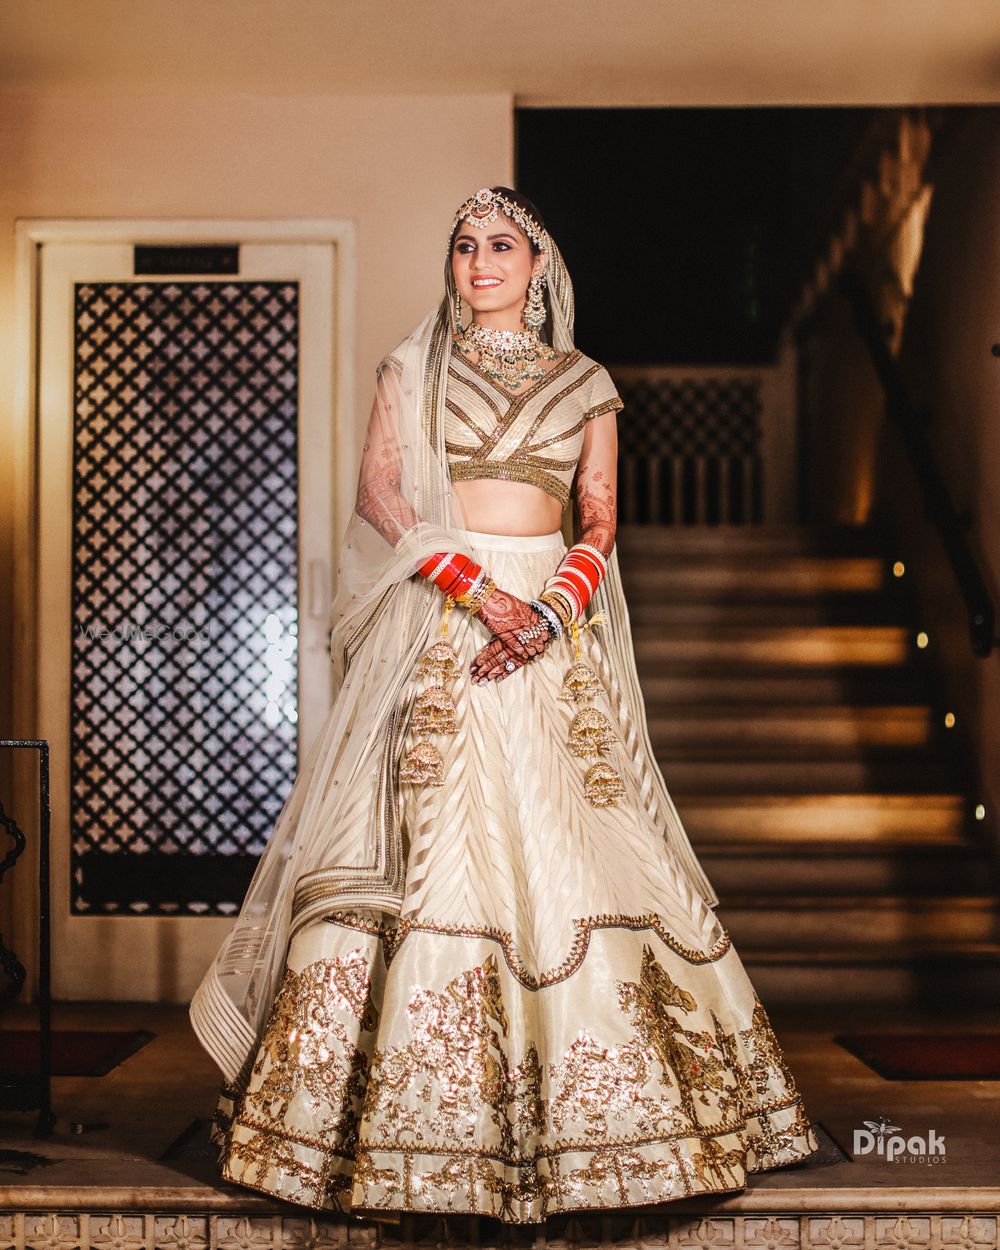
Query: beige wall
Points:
[397, 166]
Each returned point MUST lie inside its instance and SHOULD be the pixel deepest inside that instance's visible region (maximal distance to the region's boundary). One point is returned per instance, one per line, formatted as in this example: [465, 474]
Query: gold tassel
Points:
[580, 682]
[434, 710]
[423, 765]
[602, 785]
[440, 662]
[590, 731]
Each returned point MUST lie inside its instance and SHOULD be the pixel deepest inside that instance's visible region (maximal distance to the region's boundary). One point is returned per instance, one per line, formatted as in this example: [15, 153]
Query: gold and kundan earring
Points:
[459, 328]
[534, 305]
[464, 582]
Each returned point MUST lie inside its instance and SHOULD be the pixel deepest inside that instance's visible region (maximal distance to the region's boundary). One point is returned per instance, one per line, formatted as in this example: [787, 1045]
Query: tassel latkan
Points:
[590, 731]
[434, 710]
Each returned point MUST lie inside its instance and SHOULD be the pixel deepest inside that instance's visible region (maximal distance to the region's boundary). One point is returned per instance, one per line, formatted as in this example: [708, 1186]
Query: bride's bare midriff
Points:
[494, 506]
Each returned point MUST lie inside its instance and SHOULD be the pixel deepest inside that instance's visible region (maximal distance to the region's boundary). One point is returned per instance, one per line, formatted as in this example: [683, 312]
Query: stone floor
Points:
[100, 1180]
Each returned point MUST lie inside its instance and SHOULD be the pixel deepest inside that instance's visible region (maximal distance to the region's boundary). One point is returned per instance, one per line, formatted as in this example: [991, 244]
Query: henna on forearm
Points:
[379, 499]
[597, 501]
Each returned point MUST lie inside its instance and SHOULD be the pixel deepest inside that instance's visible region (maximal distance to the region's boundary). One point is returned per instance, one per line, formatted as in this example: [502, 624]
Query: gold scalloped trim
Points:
[393, 935]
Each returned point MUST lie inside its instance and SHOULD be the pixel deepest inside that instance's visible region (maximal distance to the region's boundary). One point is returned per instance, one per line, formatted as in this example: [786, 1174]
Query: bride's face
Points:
[492, 266]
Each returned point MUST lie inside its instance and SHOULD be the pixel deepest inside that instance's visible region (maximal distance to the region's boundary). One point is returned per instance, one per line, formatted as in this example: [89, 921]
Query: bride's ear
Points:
[541, 263]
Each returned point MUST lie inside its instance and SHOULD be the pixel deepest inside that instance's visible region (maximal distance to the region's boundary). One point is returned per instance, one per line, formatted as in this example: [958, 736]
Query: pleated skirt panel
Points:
[554, 1021]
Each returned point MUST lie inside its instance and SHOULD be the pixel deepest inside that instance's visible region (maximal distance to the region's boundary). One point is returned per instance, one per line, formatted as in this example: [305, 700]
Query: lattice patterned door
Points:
[187, 495]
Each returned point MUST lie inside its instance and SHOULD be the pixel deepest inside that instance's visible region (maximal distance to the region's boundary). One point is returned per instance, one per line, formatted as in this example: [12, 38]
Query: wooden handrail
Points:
[937, 502]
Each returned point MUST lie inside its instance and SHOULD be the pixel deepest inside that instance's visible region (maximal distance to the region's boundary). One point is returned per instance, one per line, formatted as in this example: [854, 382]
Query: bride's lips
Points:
[482, 283]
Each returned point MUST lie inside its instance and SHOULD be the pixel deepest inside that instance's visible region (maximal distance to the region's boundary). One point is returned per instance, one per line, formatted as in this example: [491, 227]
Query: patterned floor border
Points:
[805, 1231]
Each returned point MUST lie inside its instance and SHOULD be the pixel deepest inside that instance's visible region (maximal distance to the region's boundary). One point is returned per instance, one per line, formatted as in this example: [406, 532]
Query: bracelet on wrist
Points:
[478, 595]
[549, 615]
[560, 603]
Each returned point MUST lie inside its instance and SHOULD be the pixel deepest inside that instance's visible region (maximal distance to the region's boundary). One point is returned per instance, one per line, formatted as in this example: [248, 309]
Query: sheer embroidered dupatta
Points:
[381, 617]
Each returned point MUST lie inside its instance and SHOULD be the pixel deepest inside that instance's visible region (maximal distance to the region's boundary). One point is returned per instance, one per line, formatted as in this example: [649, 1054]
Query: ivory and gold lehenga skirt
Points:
[555, 1021]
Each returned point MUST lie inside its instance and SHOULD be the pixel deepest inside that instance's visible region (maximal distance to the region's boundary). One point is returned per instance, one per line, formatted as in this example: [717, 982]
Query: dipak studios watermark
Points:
[880, 1137]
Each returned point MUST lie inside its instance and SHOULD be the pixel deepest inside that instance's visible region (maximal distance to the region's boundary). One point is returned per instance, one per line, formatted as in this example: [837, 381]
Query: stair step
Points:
[949, 973]
[690, 683]
[795, 727]
[803, 924]
[656, 577]
[818, 645]
[711, 540]
[866, 822]
[791, 712]
[694, 771]
[710, 612]
[806, 870]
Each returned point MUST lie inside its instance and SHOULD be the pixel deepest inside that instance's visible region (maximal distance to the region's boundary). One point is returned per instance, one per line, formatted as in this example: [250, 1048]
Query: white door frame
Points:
[158, 938]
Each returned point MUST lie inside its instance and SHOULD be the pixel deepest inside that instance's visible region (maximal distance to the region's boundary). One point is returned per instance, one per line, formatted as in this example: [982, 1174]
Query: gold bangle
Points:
[475, 600]
[559, 604]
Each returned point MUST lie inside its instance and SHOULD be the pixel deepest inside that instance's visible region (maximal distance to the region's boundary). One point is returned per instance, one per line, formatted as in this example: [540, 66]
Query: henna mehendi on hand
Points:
[505, 615]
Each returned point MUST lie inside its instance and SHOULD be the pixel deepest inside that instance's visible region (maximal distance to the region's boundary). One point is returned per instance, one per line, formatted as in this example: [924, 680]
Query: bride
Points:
[478, 967]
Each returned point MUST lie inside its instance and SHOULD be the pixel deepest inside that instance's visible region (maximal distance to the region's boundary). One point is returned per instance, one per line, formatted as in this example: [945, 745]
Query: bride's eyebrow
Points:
[468, 238]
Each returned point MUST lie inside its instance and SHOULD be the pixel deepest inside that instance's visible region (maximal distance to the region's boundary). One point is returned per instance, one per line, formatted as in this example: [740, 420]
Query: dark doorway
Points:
[688, 231]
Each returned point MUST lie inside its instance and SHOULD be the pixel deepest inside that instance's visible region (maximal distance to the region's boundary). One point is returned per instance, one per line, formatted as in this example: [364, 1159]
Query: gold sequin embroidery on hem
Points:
[449, 1122]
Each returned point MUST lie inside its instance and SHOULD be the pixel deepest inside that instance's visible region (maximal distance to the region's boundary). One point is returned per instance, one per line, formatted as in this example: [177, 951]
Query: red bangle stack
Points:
[579, 574]
[453, 573]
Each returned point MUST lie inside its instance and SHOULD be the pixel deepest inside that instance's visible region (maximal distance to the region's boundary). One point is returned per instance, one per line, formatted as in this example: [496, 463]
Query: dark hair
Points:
[522, 201]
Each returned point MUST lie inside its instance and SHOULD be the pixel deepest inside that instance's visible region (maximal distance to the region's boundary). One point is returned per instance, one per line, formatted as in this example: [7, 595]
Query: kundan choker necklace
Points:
[507, 356]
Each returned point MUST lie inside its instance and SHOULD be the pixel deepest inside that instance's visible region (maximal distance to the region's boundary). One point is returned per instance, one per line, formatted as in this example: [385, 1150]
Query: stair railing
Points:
[938, 506]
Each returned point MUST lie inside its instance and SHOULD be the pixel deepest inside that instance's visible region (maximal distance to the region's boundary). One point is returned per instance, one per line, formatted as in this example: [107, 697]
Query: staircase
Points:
[792, 714]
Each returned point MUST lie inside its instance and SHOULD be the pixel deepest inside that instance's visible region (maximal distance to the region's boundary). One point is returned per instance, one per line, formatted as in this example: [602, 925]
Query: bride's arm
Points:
[380, 500]
[597, 483]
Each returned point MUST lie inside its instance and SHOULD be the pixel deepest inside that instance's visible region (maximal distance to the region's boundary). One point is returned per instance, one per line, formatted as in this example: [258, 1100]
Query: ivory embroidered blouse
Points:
[535, 436]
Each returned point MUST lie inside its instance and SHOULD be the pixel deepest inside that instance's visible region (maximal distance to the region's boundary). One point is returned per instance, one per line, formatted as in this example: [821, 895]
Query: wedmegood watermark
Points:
[130, 632]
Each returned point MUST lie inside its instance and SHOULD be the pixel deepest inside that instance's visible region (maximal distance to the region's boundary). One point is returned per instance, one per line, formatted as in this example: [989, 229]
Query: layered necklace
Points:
[508, 356]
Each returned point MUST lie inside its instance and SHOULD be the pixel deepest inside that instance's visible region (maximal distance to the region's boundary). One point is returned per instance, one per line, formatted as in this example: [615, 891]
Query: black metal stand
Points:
[21, 1094]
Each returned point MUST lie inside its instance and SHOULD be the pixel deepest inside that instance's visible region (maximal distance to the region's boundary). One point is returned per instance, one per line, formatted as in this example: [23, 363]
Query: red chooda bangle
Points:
[452, 572]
